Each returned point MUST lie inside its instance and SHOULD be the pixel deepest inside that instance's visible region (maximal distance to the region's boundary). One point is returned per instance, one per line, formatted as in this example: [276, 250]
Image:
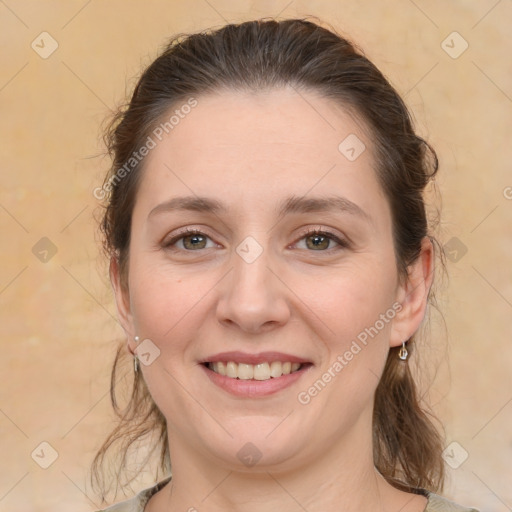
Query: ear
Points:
[413, 295]
[122, 297]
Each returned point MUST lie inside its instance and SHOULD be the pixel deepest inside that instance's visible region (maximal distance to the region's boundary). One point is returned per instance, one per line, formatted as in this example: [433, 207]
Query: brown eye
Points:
[322, 241]
[317, 241]
[190, 241]
[194, 241]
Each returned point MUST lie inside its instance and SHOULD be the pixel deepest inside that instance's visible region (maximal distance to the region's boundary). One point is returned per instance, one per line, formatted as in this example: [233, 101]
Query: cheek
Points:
[169, 308]
[357, 312]
[165, 302]
[353, 301]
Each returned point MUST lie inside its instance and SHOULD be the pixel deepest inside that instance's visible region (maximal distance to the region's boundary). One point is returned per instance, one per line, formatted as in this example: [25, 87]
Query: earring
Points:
[135, 358]
[402, 353]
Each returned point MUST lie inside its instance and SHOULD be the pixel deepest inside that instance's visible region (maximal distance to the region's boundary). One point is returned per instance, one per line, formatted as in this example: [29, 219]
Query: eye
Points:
[320, 240]
[190, 239]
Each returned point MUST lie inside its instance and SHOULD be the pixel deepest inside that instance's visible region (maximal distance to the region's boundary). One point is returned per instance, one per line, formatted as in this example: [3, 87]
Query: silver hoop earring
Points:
[403, 353]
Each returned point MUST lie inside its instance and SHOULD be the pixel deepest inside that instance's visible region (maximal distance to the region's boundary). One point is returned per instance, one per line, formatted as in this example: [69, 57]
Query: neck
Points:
[343, 477]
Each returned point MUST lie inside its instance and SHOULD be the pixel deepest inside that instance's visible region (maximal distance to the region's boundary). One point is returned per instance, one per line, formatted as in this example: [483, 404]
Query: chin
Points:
[257, 448]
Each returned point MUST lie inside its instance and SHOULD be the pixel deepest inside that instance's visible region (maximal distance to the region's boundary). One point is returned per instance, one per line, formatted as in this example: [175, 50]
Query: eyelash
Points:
[343, 243]
[182, 234]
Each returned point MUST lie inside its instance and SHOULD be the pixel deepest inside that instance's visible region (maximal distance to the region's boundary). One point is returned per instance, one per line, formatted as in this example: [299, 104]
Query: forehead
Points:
[254, 146]
[266, 123]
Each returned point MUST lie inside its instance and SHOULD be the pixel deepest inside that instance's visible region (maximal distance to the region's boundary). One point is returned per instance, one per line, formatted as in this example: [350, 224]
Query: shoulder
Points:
[134, 504]
[437, 503]
[138, 502]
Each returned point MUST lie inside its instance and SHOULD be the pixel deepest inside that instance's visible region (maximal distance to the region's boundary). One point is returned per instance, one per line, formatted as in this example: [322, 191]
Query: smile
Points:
[254, 375]
[261, 371]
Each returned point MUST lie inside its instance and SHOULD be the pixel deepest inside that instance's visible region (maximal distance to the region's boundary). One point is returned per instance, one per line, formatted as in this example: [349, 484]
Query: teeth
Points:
[221, 368]
[261, 371]
[231, 370]
[276, 369]
[245, 371]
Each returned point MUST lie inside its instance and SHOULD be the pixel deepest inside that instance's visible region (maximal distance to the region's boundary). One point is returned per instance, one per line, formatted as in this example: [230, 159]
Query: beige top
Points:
[137, 503]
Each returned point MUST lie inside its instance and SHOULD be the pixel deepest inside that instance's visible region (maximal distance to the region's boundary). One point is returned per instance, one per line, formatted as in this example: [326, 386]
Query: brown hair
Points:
[266, 54]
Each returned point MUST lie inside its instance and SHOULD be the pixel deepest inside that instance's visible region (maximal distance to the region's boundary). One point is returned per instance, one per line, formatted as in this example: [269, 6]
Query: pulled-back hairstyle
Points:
[262, 55]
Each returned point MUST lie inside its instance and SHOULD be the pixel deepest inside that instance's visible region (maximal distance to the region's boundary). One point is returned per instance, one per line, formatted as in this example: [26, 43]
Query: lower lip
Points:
[251, 388]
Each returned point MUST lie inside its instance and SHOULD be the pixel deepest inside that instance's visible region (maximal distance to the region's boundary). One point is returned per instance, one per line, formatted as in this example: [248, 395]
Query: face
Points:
[257, 243]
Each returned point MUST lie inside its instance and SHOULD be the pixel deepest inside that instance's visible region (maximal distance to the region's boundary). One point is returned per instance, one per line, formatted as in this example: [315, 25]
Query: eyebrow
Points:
[293, 204]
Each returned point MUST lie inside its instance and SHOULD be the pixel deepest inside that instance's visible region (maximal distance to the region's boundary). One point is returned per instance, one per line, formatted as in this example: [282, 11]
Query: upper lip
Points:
[261, 357]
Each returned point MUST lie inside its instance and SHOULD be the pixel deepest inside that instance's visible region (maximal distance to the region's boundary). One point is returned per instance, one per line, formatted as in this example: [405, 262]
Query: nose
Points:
[252, 297]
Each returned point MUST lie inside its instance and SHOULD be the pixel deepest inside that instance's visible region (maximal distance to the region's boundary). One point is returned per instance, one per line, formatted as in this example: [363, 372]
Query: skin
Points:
[251, 151]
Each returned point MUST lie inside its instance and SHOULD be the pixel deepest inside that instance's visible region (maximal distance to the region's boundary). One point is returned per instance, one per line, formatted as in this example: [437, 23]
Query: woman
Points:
[271, 262]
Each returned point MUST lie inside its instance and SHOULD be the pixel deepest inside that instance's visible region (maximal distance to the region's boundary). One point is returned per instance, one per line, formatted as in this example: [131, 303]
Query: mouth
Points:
[261, 371]
[254, 375]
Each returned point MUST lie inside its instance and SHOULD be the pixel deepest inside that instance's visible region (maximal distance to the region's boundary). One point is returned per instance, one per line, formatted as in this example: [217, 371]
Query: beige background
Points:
[57, 317]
